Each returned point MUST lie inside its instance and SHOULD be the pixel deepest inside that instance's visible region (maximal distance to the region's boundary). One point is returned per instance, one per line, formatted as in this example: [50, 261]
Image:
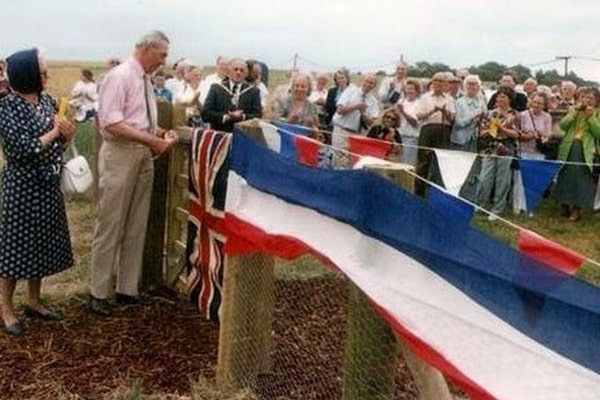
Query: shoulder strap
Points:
[532, 120]
[74, 152]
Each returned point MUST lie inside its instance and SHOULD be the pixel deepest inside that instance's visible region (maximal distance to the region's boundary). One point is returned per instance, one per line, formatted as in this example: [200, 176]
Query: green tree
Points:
[491, 71]
[423, 69]
[521, 72]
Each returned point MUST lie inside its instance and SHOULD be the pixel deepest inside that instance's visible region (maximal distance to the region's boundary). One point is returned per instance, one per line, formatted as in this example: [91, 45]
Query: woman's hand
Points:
[526, 136]
[66, 128]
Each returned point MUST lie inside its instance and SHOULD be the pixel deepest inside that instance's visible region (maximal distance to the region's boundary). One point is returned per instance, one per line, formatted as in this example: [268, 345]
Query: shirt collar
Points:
[137, 67]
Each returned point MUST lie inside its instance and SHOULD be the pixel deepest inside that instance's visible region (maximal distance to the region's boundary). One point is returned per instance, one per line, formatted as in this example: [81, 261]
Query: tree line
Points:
[491, 71]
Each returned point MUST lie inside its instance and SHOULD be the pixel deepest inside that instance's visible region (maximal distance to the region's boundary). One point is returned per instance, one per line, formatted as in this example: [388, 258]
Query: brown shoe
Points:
[575, 214]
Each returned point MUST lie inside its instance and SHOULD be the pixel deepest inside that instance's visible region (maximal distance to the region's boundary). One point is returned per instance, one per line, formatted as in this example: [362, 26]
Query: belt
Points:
[436, 123]
[125, 143]
[348, 129]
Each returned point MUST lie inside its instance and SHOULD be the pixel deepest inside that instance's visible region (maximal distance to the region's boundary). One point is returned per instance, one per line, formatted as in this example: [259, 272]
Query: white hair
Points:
[471, 78]
[151, 38]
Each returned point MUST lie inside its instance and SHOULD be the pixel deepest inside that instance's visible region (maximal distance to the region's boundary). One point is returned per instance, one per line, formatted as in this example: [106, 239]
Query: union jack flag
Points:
[208, 169]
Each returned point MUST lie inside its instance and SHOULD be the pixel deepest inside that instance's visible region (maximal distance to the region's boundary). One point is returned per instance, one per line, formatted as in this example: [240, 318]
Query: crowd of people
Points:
[448, 111]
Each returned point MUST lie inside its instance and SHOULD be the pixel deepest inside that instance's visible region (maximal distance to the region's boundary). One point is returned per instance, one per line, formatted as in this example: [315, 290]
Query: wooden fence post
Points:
[153, 258]
[371, 350]
[246, 312]
[177, 206]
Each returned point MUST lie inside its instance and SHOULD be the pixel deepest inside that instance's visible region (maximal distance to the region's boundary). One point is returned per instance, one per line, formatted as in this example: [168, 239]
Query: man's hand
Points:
[161, 146]
[236, 115]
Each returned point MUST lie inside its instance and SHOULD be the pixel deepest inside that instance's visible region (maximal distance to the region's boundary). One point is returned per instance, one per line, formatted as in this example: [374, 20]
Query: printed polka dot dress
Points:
[34, 235]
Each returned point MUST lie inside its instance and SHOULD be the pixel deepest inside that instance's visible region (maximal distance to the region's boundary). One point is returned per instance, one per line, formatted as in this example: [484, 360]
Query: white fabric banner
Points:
[454, 167]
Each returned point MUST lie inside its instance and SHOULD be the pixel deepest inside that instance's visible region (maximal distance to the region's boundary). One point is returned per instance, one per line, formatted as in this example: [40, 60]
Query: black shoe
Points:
[16, 329]
[100, 306]
[127, 300]
[50, 315]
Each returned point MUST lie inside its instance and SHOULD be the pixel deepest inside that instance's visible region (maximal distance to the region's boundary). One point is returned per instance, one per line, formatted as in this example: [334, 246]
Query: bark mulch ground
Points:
[163, 345]
[166, 345]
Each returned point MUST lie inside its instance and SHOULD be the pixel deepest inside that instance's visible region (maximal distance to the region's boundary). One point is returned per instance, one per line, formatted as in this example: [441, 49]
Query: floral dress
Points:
[34, 235]
[495, 142]
[495, 177]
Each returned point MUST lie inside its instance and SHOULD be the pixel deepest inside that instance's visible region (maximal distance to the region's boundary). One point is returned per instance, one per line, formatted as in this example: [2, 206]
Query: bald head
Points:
[238, 70]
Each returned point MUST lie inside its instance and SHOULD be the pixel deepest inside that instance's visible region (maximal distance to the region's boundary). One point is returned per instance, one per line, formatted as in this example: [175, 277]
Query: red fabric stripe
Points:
[433, 357]
[365, 146]
[206, 220]
[288, 248]
[203, 171]
[282, 246]
[550, 253]
[205, 294]
[308, 150]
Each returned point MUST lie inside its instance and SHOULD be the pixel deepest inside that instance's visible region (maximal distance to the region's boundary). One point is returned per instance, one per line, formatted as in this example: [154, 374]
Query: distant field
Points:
[64, 74]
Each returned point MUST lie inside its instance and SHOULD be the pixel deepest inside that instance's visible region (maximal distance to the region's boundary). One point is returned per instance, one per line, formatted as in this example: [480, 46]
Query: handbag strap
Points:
[532, 120]
[74, 152]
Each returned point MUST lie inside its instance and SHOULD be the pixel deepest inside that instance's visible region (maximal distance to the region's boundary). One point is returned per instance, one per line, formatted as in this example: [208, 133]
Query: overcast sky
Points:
[359, 34]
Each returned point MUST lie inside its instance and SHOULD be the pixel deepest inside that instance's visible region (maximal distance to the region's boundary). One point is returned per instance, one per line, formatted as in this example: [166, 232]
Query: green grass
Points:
[84, 139]
[305, 267]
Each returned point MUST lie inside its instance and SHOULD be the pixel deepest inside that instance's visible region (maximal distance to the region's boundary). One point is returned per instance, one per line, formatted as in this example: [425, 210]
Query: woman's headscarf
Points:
[23, 70]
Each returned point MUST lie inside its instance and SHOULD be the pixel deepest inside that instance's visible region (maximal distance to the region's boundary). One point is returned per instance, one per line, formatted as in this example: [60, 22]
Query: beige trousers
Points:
[126, 173]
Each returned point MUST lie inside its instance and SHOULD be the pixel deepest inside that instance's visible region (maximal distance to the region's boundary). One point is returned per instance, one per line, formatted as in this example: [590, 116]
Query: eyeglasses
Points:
[390, 117]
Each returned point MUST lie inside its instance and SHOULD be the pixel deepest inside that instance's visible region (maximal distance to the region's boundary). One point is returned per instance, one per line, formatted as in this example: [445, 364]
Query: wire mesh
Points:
[308, 356]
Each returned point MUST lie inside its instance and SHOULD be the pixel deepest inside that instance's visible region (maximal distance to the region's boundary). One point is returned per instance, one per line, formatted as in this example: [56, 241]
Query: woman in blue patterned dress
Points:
[34, 235]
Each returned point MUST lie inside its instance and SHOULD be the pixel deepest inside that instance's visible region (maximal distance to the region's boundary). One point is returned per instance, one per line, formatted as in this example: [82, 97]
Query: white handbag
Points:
[76, 175]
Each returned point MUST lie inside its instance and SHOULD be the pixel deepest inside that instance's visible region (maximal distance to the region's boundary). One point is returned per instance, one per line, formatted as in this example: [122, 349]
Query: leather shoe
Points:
[127, 300]
[50, 315]
[575, 214]
[100, 306]
[16, 329]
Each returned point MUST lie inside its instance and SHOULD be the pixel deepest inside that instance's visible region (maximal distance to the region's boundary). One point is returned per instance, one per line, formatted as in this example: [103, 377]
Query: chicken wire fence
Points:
[307, 333]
